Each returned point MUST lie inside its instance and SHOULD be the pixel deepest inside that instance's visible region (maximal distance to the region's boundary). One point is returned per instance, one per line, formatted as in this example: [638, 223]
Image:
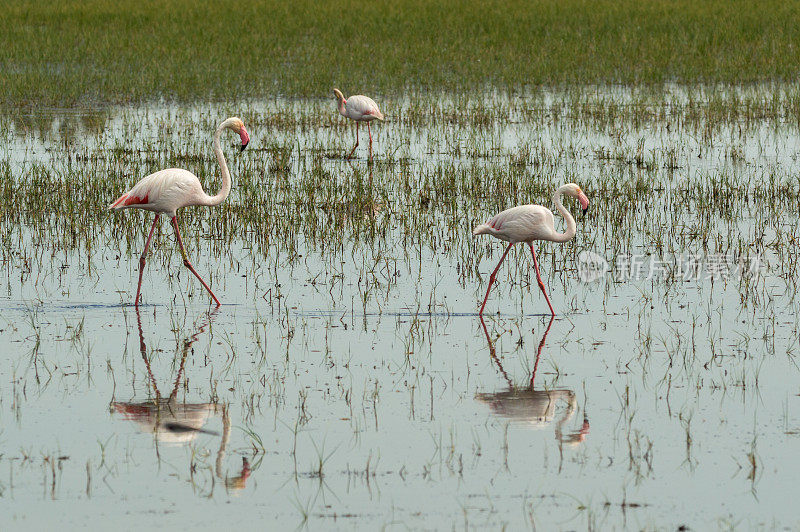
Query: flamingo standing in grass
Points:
[527, 223]
[166, 191]
[361, 109]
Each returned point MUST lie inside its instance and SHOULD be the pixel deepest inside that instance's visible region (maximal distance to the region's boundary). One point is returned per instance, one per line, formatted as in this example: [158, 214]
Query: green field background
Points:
[93, 52]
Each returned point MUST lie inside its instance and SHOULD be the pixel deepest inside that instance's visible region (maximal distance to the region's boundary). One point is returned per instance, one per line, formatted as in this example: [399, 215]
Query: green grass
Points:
[90, 52]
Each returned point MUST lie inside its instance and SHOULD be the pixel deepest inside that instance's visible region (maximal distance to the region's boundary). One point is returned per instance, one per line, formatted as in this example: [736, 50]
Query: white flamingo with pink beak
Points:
[361, 109]
[528, 223]
[166, 191]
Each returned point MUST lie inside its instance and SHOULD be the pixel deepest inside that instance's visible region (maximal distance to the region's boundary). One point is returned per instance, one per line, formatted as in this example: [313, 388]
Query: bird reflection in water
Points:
[179, 423]
[534, 407]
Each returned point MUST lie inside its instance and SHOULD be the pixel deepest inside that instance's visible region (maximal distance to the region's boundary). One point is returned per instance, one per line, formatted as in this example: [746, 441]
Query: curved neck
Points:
[569, 234]
[223, 445]
[571, 403]
[341, 105]
[220, 196]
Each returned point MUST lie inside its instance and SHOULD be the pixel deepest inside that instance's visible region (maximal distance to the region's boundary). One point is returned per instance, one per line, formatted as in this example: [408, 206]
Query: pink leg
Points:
[189, 264]
[141, 260]
[492, 278]
[356, 146]
[539, 278]
[369, 130]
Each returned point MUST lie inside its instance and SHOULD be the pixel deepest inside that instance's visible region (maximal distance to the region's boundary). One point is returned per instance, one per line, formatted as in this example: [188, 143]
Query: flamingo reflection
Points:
[536, 408]
[179, 423]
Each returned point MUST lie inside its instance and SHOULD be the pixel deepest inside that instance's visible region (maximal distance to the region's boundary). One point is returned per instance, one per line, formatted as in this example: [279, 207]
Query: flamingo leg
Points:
[141, 260]
[356, 146]
[369, 130]
[492, 278]
[189, 264]
[539, 278]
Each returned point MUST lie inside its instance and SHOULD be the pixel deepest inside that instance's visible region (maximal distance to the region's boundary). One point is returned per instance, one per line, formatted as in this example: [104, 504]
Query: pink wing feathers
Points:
[141, 192]
[519, 224]
[165, 189]
[128, 199]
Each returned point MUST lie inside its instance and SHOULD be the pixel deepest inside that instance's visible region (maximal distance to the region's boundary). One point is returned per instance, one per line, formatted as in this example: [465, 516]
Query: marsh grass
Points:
[97, 52]
[672, 171]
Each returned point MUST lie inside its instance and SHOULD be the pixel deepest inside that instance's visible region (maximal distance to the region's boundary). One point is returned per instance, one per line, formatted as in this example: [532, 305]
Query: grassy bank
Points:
[71, 52]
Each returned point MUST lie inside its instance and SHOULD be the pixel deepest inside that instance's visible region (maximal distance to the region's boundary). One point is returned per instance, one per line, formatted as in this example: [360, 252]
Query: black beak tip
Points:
[242, 148]
[585, 210]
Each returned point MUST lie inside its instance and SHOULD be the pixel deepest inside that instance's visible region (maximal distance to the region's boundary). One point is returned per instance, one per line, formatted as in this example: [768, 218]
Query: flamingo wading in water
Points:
[166, 191]
[527, 223]
[361, 109]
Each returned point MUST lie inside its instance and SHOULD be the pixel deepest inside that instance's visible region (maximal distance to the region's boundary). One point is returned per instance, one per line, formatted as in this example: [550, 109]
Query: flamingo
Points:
[526, 223]
[166, 191]
[361, 109]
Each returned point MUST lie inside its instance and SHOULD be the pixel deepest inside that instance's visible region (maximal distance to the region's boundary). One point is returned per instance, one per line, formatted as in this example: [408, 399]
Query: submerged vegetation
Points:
[88, 53]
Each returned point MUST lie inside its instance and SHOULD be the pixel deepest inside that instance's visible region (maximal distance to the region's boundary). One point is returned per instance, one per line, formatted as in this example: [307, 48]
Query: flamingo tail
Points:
[126, 200]
[117, 204]
[483, 229]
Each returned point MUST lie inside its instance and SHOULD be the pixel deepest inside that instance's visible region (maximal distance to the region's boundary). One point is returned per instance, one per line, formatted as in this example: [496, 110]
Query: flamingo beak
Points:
[584, 201]
[245, 138]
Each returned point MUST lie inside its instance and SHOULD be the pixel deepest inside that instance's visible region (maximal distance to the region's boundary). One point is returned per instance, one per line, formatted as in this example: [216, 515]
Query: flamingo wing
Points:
[520, 224]
[362, 107]
[165, 190]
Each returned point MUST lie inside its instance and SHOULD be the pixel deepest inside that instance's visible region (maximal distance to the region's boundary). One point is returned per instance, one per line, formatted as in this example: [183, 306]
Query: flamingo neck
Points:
[220, 196]
[223, 445]
[342, 106]
[569, 397]
[569, 234]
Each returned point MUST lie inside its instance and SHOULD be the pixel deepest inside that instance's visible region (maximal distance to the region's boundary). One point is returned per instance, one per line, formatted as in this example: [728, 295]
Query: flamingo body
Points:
[527, 223]
[361, 109]
[536, 407]
[170, 421]
[164, 192]
[524, 223]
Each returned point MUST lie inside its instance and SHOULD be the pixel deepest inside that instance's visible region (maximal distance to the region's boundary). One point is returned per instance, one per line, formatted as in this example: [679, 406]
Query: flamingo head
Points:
[236, 125]
[575, 191]
[338, 94]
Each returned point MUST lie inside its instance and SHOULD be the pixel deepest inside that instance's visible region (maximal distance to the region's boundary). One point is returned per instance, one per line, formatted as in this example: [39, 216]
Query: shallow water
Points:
[347, 381]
